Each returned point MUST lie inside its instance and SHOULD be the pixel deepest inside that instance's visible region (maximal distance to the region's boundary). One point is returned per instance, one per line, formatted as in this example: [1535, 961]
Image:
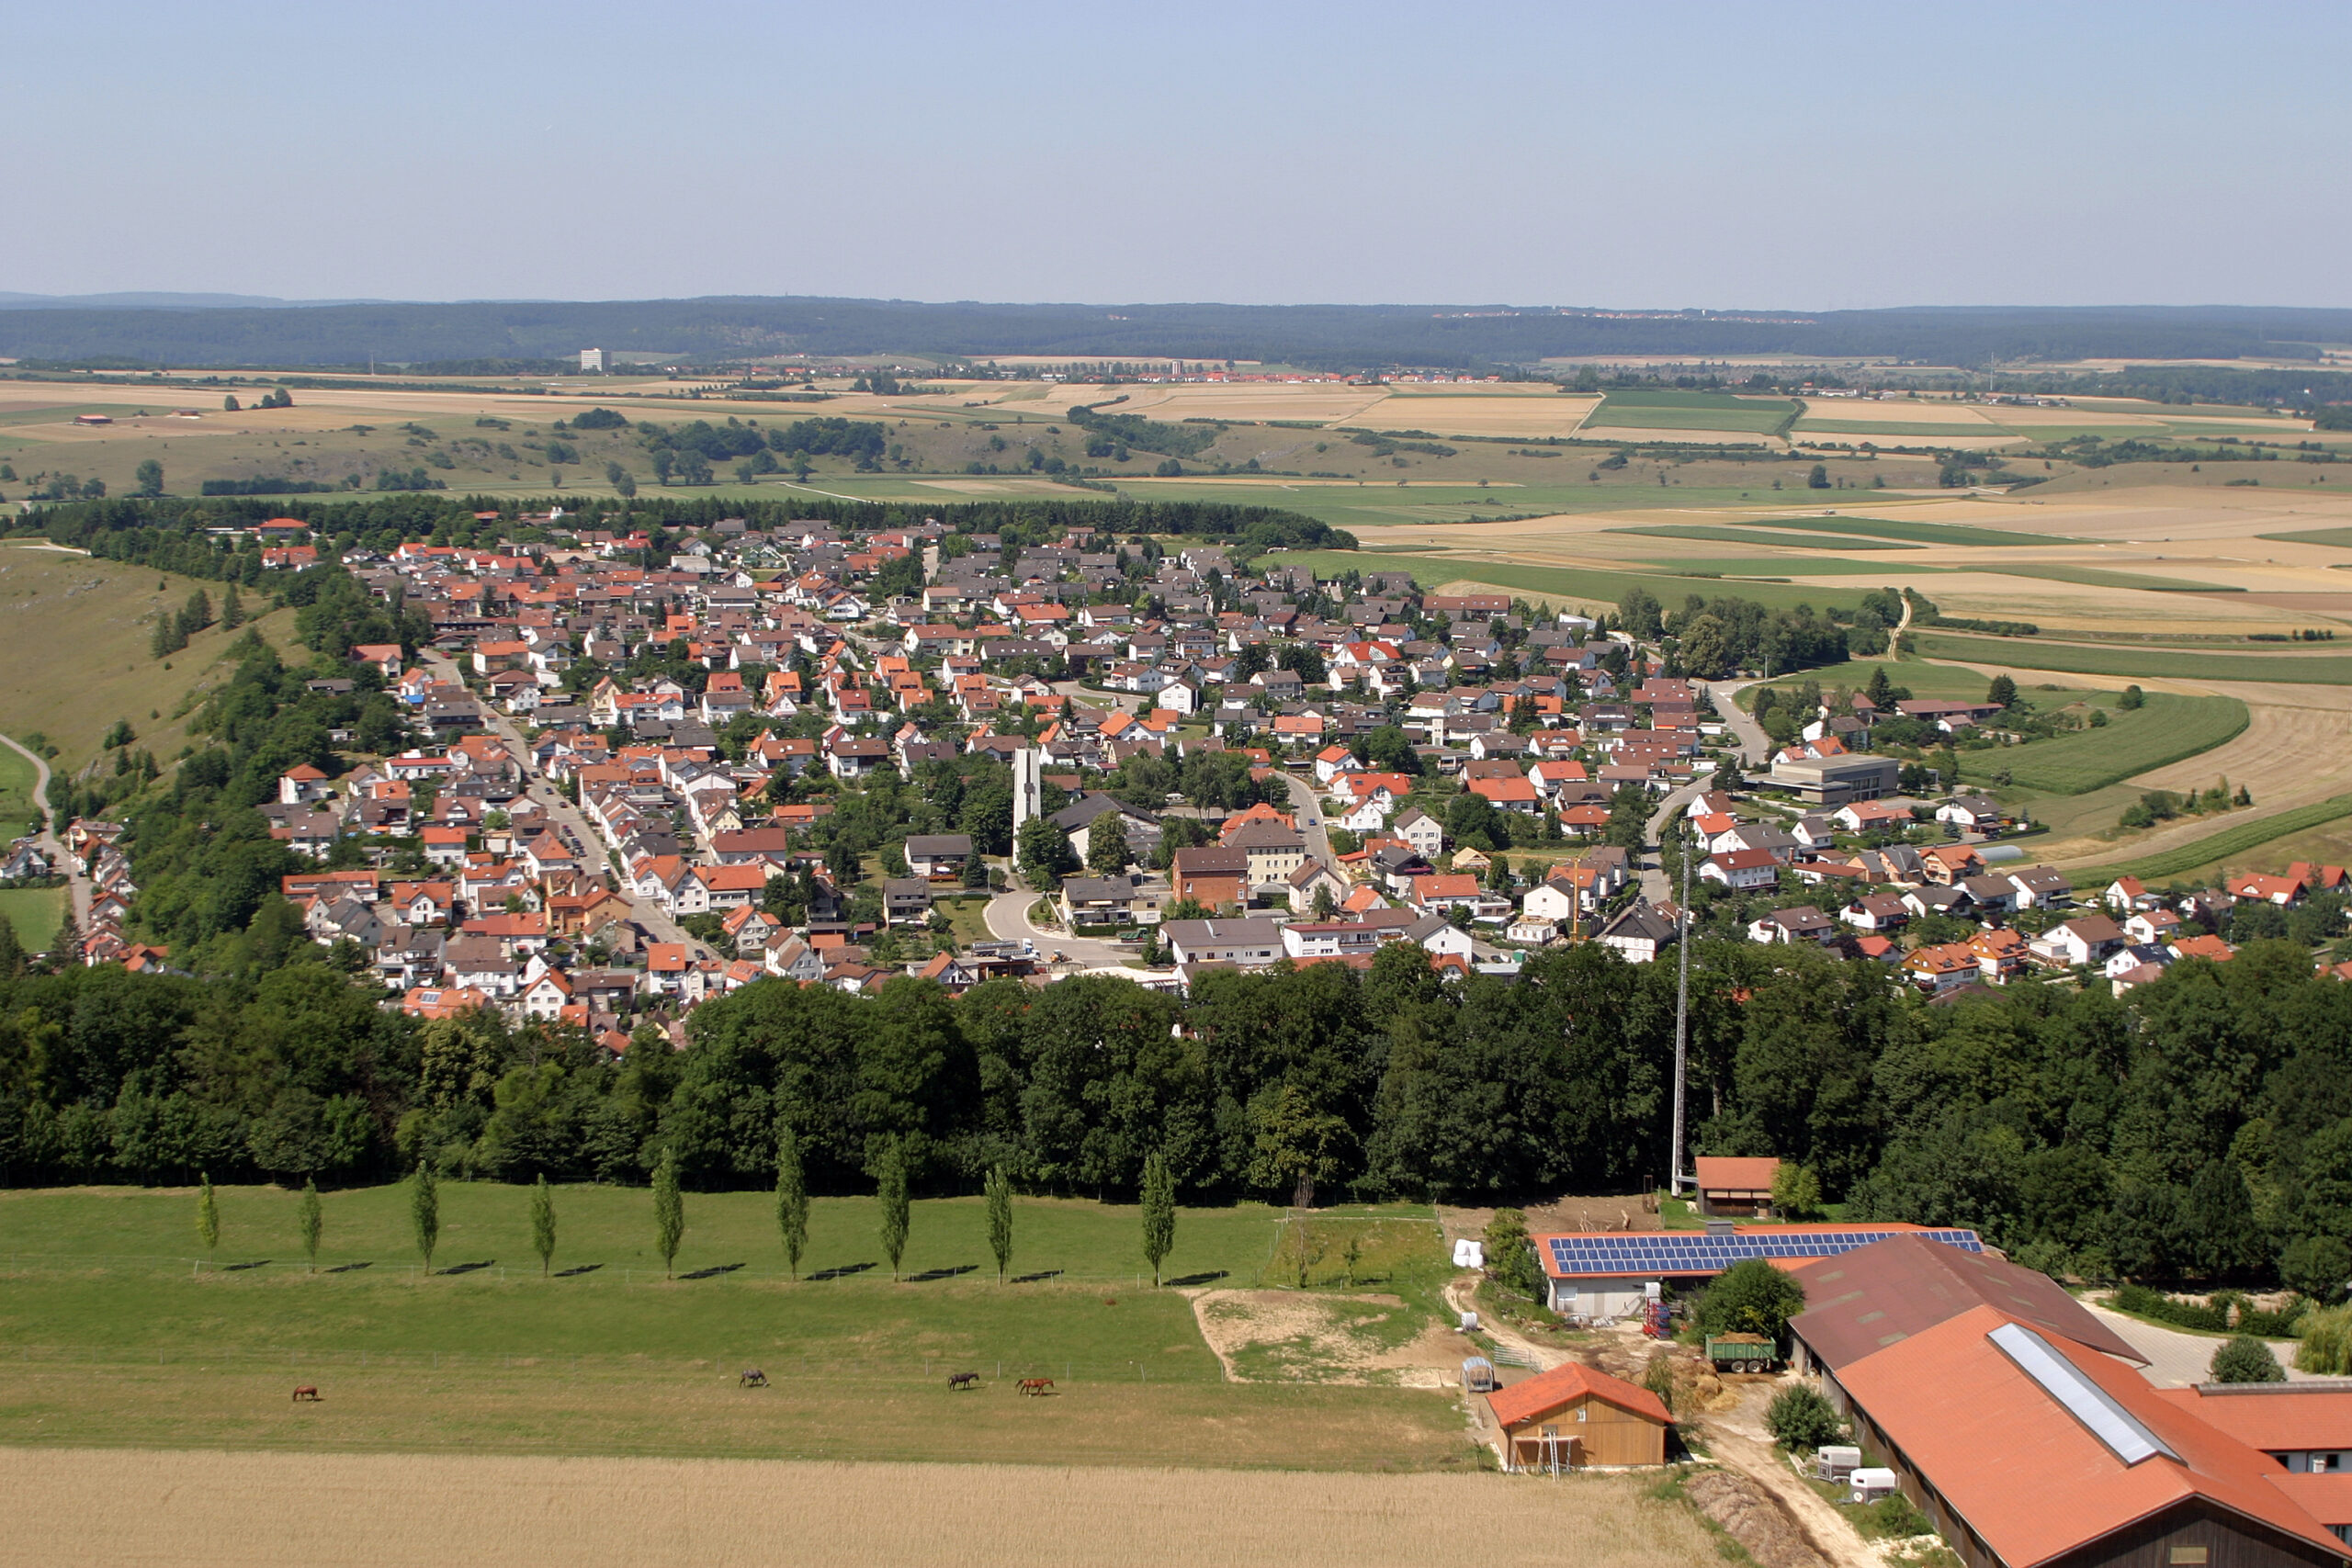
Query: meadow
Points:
[1790, 540]
[1909, 532]
[18, 813]
[74, 653]
[74, 1508]
[122, 1327]
[34, 914]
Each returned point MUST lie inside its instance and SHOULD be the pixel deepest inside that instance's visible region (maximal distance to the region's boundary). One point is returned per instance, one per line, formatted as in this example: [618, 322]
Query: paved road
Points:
[1308, 802]
[49, 839]
[657, 923]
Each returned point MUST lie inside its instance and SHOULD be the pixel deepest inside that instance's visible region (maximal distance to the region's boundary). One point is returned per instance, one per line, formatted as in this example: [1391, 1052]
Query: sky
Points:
[1809, 156]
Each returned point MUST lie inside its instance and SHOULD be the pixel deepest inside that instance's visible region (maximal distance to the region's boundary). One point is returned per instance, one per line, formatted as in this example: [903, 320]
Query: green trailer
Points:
[1742, 1352]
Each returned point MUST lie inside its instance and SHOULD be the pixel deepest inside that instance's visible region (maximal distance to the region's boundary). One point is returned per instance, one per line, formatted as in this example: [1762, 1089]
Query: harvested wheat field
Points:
[65, 1507]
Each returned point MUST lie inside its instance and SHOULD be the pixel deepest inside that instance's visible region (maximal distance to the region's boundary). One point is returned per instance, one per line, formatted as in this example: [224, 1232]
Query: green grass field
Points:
[1691, 410]
[1786, 566]
[2035, 653]
[2168, 729]
[18, 814]
[1576, 585]
[121, 1330]
[1789, 541]
[1937, 681]
[34, 914]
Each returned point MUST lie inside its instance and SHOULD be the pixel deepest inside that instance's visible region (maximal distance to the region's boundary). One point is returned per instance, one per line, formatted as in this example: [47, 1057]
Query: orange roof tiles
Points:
[1548, 1390]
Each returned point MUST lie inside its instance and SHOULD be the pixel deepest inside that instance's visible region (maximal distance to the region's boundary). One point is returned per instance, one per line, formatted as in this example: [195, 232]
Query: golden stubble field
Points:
[64, 1508]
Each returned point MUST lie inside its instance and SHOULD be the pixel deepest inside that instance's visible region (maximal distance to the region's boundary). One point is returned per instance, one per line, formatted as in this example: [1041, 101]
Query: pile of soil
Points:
[1739, 1506]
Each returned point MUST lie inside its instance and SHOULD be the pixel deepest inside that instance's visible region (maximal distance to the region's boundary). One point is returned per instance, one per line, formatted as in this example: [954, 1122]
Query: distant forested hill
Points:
[1332, 337]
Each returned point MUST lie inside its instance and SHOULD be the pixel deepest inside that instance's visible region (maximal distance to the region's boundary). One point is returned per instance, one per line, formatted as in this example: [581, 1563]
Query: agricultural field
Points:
[126, 1329]
[1789, 539]
[78, 1509]
[2126, 662]
[75, 652]
[1707, 412]
[2168, 729]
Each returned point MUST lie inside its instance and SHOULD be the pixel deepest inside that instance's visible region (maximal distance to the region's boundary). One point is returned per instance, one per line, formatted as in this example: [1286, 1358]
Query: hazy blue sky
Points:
[1748, 154]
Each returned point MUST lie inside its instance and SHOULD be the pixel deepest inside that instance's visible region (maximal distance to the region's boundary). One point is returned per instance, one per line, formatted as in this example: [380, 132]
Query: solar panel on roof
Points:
[1691, 1252]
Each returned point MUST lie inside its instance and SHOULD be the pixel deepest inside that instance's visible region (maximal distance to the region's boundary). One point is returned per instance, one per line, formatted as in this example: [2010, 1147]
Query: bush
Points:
[2327, 1343]
[1801, 1416]
[2246, 1359]
[1898, 1518]
[1511, 1255]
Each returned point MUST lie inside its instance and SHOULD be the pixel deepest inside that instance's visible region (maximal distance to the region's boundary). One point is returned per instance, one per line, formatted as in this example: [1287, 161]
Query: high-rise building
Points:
[594, 362]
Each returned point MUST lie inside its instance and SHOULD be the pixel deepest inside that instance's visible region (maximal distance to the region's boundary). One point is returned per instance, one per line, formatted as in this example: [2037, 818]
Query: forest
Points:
[164, 531]
[733, 330]
[2202, 1128]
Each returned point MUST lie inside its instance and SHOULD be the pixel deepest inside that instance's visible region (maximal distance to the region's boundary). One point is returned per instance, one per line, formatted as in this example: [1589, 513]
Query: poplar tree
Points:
[543, 1223]
[890, 1193]
[999, 1192]
[668, 1210]
[207, 1214]
[791, 1197]
[1158, 1213]
[424, 1213]
[310, 1221]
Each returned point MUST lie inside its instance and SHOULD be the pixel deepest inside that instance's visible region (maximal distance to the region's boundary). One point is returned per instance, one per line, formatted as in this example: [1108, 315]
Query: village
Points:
[633, 768]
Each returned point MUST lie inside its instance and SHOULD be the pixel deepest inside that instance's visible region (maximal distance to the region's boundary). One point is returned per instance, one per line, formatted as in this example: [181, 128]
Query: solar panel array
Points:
[1661, 1253]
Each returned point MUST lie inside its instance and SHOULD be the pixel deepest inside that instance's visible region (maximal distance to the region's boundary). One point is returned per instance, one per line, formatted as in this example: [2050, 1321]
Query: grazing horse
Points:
[962, 1379]
[753, 1378]
[305, 1392]
[1036, 1385]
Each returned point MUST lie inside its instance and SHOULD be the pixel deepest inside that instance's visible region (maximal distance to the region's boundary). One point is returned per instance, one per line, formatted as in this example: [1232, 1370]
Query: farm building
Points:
[1573, 1417]
[2027, 1449]
[1738, 1185]
[1878, 1295]
[1609, 1274]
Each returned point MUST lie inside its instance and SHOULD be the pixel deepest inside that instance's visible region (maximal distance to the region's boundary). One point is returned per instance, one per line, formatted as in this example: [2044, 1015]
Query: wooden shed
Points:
[1735, 1186]
[1573, 1417]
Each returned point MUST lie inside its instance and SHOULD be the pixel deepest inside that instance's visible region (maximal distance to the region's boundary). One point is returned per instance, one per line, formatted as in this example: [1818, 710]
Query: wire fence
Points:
[573, 1274]
[904, 1370]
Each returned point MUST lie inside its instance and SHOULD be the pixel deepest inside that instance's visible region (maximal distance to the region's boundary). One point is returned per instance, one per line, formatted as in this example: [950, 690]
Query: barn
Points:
[1575, 1416]
[1608, 1274]
[1736, 1185]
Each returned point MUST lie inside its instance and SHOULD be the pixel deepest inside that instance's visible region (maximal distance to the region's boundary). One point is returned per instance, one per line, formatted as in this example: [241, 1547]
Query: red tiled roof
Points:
[1549, 1391]
[1725, 1173]
[2030, 1480]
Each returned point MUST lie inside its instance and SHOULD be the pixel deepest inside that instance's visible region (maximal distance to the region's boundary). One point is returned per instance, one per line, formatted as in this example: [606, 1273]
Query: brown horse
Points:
[1037, 1385]
[306, 1393]
[962, 1379]
[753, 1378]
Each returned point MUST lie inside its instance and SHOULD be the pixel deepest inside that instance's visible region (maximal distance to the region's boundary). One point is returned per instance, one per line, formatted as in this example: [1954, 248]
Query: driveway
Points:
[2177, 1360]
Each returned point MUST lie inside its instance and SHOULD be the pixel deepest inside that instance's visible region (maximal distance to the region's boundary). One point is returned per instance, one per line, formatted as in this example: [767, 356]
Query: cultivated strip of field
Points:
[2168, 729]
[1757, 536]
[2098, 577]
[70, 1508]
[2129, 663]
[2340, 538]
[1914, 533]
[1693, 410]
[2227, 845]
[1575, 585]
